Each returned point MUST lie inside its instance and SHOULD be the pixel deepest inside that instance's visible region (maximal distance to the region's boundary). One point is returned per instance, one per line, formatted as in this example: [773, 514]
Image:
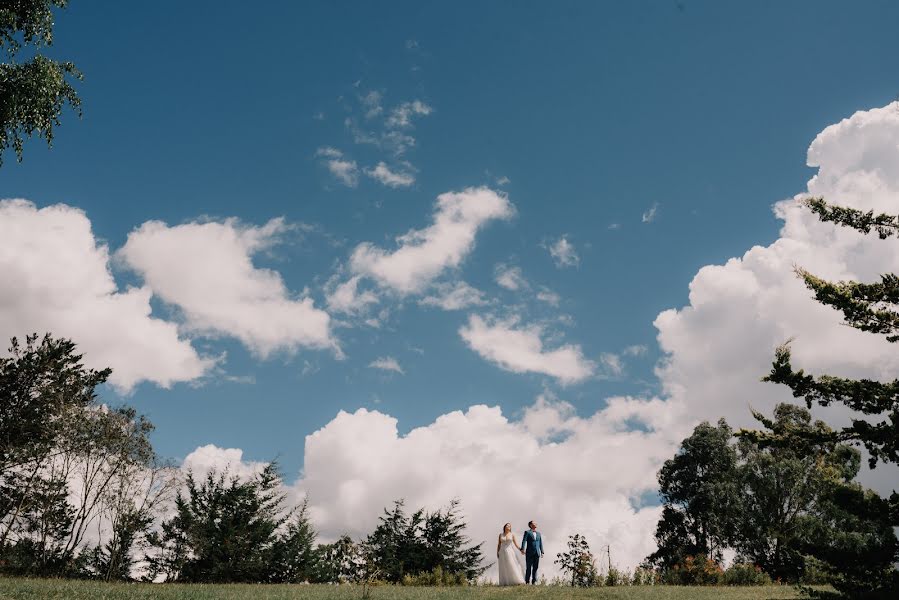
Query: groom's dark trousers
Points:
[531, 562]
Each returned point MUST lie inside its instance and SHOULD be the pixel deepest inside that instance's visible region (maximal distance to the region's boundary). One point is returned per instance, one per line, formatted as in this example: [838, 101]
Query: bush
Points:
[644, 576]
[745, 574]
[814, 572]
[694, 570]
[616, 577]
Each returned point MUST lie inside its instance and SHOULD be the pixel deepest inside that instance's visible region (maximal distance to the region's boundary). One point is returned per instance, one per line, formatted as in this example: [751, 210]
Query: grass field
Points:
[46, 589]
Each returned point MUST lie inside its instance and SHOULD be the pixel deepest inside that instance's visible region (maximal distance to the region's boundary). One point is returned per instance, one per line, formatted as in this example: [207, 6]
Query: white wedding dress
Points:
[510, 571]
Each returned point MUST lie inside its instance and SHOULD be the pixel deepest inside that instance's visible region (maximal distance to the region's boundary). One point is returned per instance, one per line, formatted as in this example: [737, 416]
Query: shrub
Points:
[745, 574]
[644, 576]
[694, 570]
[814, 572]
[615, 577]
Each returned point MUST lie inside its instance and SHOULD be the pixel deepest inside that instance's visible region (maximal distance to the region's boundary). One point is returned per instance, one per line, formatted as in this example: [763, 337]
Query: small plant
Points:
[578, 562]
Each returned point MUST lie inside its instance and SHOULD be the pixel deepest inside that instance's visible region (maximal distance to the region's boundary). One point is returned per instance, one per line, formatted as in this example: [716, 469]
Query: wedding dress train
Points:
[510, 572]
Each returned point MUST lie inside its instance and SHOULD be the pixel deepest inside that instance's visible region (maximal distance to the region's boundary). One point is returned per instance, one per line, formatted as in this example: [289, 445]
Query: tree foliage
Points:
[419, 543]
[33, 92]
[577, 562]
[774, 503]
[227, 529]
[69, 463]
[699, 492]
[784, 491]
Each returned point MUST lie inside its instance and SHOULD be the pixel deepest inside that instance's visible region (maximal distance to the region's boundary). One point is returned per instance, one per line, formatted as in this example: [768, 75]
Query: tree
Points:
[227, 530]
[34, 92]
[69, 465]
[46, 396]
[785, 491]
[293, 556]
[338, 562]
[578, 562]
[870, 307]
[423, 542]
[700, 496]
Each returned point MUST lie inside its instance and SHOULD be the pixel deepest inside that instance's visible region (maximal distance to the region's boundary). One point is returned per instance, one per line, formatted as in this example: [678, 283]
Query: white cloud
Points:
[548, 296]
[510, 278]
[206, 270]
[56, 279]
[212, 458]
[636, 350]
[372, 104]
[650, 215]
[611, 364]
[401, 116]
[423, 254]
[346, 297]
[344, 170]
[520, 349]
[387, 363]
[564, 253]
[503, 180]
[394, 179]
[454, 296]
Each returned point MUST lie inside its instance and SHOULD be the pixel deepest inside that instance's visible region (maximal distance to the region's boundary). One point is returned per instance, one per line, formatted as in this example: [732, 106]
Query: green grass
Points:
[49, 589]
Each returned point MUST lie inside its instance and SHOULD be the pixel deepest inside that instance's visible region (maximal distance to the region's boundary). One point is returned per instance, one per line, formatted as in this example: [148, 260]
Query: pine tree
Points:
[874, 308]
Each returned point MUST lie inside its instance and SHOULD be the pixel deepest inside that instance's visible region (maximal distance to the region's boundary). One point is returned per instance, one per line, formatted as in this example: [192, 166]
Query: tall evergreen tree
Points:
[870, 307]
[227, 529]
[419, 543]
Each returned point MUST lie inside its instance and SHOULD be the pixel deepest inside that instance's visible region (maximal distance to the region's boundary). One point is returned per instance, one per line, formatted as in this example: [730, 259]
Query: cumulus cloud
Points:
[213, 458]
[509, 277]
[390, 178]
[387, 363]
[56, 278]
[346, 171]
[454, 296]
[520, 349]
[564, 253]
[423, 254]
[206, 270]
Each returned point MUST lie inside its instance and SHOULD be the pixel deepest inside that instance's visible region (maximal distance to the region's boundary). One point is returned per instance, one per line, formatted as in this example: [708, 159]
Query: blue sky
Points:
[594, 112]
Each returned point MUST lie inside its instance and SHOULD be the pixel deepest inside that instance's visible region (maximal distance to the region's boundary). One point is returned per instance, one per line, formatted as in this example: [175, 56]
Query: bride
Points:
[507, 559]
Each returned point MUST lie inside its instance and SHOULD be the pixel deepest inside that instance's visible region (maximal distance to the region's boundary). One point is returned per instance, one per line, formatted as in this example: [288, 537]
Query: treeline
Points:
[83, 495]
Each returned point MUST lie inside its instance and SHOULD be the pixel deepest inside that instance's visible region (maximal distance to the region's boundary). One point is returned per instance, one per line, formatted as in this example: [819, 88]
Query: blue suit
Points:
[532, 544]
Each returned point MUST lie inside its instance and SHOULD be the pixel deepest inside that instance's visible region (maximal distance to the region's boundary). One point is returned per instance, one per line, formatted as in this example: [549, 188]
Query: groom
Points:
[532, 547]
